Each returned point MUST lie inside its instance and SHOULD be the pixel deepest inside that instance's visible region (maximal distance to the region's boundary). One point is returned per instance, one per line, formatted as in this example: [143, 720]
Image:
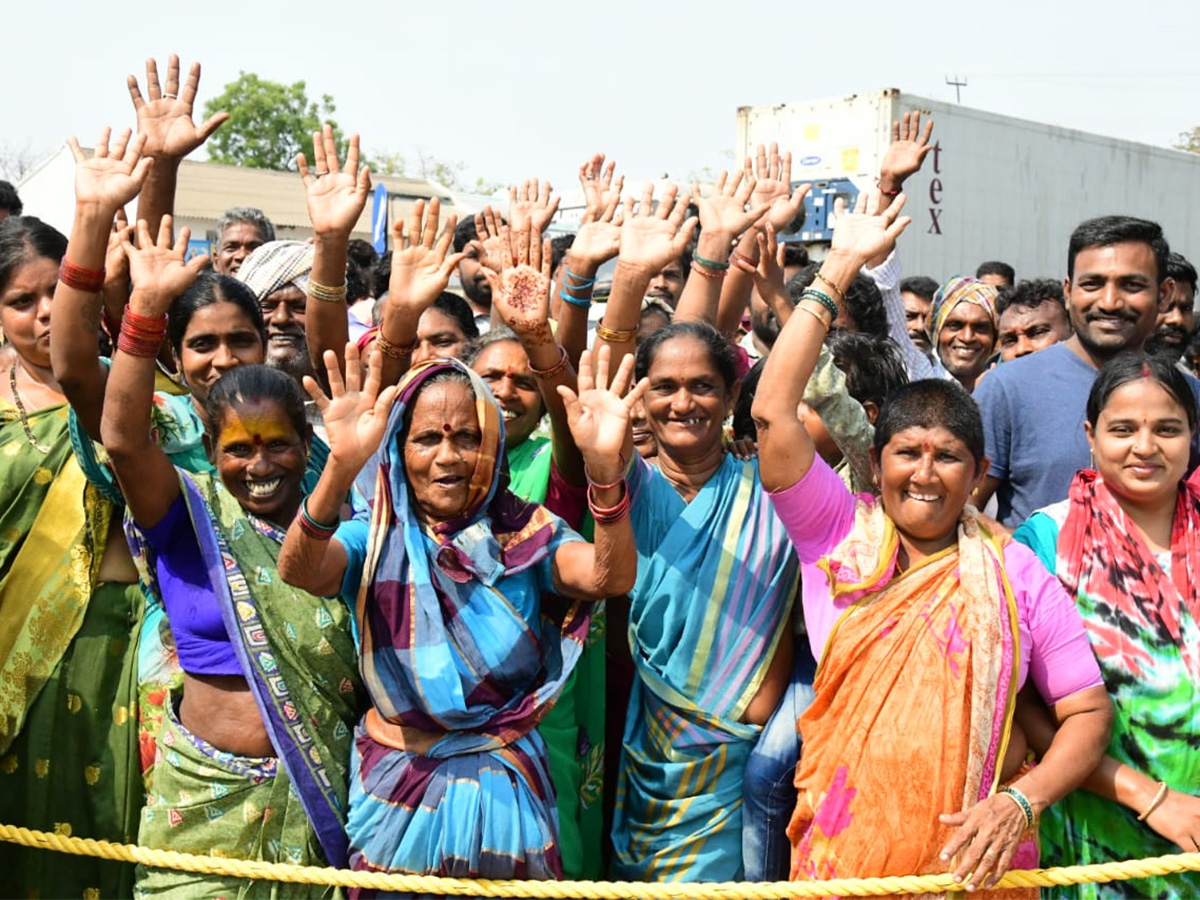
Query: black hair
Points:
[381, 275]
[995, 267]
[465, 232]
[1108, 230]
[921, 285]
[720, 353]
[863, 303]
[795, 254]
[250, 384]
[363, 253]
[1030, 294]
[208, 289]
[559, 245]
[743, 420]
[9, 199]
[23, 238]
[1181, 270]
[357, 287]
[460, 311]
[874, 367]
[931, 403]
[1128, 367]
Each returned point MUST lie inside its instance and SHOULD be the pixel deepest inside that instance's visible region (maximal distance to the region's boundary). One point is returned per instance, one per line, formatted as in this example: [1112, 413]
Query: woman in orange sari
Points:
[925, 624]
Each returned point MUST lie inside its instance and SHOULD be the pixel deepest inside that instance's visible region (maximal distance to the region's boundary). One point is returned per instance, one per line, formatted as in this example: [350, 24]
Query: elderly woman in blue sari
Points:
[252, 755]
[461, 660]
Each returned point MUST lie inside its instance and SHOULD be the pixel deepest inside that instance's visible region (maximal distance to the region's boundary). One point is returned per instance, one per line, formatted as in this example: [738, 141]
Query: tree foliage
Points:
[449, 173]
[1189, 141]
[269, 123]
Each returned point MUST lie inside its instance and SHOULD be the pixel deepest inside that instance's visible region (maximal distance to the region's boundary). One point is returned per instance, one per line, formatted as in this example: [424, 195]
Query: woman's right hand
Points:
[356, 411]
[600, 413]
[1177, 819]
[157, 269]
[420, 267]
[336, 197]
[113, 175]
[870, 232]
[521, 291]
[651, 238]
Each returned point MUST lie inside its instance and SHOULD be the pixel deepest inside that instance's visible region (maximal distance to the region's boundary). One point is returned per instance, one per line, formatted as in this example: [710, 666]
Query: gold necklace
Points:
[33, 441]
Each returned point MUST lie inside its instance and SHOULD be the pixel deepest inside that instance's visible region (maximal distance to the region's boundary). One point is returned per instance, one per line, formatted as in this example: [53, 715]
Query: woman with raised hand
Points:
[460, 659]
[1125, 545]
[253, 751]
[925, 625]
[70, 602]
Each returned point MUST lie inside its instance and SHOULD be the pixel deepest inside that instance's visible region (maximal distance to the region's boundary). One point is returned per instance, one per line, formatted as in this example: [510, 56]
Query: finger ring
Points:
[171, 96]
[320, 173]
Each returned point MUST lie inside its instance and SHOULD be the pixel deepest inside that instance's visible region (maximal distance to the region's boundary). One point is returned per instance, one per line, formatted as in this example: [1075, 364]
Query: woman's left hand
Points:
[988, 835]
[336, 196]
[599, 416]
[157, 269]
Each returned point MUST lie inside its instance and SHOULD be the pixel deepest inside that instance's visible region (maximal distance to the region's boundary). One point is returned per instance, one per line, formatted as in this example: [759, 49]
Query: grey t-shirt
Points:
[1033, 413]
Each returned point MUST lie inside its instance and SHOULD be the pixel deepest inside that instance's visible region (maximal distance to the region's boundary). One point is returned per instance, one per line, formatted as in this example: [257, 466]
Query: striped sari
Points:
[450, 776]
[715, 586]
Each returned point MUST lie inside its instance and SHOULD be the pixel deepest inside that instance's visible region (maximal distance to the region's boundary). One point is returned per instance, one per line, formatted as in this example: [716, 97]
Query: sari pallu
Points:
[449, 774]
[715, 586]
[913, 706]
[1142, 624]
[298, 657]
[68, 753]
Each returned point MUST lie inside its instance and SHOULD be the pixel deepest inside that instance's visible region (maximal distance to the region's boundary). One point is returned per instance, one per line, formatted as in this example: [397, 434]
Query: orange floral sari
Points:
[913, 707]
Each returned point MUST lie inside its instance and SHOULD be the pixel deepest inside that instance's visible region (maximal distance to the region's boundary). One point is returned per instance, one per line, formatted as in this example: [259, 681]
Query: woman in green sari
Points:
[253, 753]
[70, 609]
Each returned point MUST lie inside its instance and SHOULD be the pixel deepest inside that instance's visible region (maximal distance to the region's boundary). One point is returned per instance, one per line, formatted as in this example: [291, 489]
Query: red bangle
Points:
[90, 281]
[879, 184]
[742, 257]
[141, 335]
[608, 515]
[136, 345]
[143, 323]
[701, 269]
[554, 369]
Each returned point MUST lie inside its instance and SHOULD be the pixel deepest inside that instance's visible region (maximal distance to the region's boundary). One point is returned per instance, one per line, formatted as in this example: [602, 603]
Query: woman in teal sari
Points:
[253, 752]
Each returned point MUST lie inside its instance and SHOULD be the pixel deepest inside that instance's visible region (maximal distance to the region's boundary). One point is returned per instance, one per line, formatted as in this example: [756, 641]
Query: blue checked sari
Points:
[449, 775]
[715, 585]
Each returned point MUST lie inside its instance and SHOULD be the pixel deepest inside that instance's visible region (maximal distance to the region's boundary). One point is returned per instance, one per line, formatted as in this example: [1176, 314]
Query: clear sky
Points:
[519, 89]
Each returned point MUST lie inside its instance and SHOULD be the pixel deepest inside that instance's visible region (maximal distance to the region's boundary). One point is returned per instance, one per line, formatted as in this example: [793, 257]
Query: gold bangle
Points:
[1163, 790]
[325, 293]
[616, 335]
[816, 315]
[833, 287]
[395, 351]
[554, 369]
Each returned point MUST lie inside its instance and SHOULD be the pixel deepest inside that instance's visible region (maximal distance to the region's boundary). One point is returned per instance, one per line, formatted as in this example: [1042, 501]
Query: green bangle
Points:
[1022, 801]
[709, 263]
[821, 297]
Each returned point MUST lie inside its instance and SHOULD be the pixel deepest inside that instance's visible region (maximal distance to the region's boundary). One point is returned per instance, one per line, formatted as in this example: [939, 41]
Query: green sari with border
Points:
[68, 673]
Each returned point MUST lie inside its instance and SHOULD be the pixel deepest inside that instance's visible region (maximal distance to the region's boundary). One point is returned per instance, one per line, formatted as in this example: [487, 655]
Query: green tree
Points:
[1189, 141]
[269, 123]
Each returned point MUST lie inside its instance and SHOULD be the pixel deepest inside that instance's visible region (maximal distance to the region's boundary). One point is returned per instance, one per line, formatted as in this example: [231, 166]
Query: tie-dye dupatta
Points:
[424, 664]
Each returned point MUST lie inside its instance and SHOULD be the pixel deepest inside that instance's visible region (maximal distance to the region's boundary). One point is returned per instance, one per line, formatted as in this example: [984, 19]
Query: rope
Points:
[586, 890]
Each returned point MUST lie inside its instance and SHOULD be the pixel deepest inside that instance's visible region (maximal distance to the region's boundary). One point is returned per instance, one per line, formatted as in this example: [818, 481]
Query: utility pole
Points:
[958, 86]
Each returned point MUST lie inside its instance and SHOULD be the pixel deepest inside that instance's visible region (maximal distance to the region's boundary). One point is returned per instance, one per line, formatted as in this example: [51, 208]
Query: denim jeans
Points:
[769, 787]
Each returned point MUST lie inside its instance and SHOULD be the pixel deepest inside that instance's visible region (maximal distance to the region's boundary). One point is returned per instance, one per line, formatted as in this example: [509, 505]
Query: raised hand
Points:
[768, 274]
[869, 235]
[420, 267]
[492, 234]
[356, 411]
[599, 414]
[907, 152]
[336, 197]
[599, 236]
[652, 238]
[725, 211]
[772, 176]
[157, 268]
[531, 205]
[114, 175]
[164, 117]
[521, 291]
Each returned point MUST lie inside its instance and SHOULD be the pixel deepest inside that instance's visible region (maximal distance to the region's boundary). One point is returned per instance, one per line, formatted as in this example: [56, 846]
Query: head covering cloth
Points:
[276, 265]
[960, 289]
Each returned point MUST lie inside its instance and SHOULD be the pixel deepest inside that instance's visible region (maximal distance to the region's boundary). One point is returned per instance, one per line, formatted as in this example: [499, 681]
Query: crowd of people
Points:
[756, 568]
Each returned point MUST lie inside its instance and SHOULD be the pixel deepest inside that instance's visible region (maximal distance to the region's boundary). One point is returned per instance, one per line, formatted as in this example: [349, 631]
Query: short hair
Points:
[932, 403]
[363, 254]
[357, 287]
[795, 255]
[208, 289]
[381, 275]
[23, 238]
[254, 384]
[559, 245]
[921, 285]
[1029, 294]
[9, 199]
[874, 367]
[720, 353]
[250, 215]
[1131, 366]
[1180, 269]
[1108, 230]
[465, 232]
[863, 302]
[497, 334]
[995, 267]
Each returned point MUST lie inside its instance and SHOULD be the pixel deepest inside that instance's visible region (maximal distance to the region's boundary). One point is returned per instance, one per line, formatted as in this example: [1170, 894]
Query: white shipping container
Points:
[994, 187]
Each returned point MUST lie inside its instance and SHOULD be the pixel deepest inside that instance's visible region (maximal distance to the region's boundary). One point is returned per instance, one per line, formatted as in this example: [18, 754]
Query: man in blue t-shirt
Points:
[1033, 407]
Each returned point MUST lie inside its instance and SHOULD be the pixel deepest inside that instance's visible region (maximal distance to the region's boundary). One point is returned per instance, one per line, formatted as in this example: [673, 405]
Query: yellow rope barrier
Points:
[586, 890]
